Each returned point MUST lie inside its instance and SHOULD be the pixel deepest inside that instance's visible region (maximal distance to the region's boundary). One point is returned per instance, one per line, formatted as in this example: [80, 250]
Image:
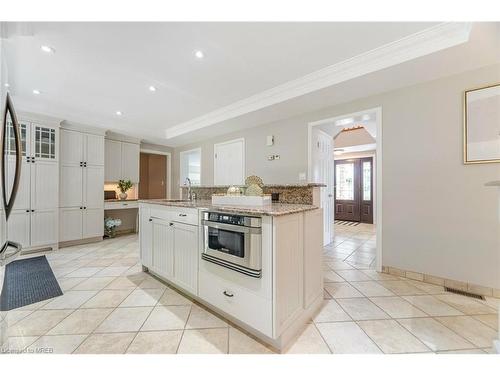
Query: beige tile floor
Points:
[110, 306]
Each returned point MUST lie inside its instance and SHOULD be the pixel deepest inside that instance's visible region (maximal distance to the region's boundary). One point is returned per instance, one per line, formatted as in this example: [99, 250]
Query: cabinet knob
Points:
[150, 219]
[27, 210]
[81, 208]
[171, 224]
[228, 294]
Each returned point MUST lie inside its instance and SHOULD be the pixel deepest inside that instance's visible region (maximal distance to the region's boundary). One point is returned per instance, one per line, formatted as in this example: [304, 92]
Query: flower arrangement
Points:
[124, 186]
[110, 226]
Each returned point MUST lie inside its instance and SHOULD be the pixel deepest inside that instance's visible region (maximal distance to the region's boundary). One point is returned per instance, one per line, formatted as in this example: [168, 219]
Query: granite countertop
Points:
[121, 200]
[275, 209]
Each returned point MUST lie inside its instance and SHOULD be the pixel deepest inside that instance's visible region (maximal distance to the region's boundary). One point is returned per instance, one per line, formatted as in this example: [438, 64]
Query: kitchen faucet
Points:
[188, 183]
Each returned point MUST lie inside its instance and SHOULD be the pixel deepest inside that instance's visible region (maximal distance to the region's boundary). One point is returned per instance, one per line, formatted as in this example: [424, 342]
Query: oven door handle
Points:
[231, 227]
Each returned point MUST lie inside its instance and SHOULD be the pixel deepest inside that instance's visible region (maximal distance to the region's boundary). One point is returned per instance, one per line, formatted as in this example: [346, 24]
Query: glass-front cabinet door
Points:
[25, 142]
[44, 142]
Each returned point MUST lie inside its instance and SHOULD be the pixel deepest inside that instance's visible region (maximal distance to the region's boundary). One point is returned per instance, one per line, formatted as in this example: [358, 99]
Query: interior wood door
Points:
[323, 163]
[229, 162]
[186, 256]
[354, 190]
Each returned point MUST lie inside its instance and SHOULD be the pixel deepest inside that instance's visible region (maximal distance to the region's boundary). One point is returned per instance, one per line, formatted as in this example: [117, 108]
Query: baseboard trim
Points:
[80, 242]
[436, 280]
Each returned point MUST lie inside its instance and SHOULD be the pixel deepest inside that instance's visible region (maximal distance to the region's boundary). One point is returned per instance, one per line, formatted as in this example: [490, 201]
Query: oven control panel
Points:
[225, 218]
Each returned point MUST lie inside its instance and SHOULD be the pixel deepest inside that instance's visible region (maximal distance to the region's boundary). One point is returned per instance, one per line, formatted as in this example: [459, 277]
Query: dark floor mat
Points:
[28, 281]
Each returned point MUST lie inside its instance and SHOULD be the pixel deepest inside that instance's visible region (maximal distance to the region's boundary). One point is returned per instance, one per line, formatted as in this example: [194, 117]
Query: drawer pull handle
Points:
[182, 215]
[150, 219]
[228, 294]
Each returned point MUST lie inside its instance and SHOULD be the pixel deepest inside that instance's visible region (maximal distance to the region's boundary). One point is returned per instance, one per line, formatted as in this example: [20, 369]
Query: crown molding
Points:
[427, 41]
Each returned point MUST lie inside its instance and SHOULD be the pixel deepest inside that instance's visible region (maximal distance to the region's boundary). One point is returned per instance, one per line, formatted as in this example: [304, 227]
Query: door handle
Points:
[9, 203]
[228, 294]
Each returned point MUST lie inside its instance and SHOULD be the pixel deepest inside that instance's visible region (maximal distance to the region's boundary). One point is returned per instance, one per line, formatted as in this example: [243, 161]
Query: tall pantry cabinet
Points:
[34, 218]
[82, 184]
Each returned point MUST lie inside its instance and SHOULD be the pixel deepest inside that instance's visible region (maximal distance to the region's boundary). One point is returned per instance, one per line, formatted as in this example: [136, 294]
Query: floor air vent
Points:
[467, 294]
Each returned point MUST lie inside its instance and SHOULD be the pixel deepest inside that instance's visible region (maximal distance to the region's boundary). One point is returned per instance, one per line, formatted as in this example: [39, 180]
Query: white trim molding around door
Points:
[378, 166]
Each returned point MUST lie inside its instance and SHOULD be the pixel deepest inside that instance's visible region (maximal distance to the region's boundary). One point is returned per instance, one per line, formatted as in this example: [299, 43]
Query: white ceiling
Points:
[99, 68]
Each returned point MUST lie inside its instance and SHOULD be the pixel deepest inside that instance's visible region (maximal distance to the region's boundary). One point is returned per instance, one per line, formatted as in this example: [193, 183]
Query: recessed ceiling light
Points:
[47, 49]
[152, 88]
[7, 85]
[199, 54]
[118, 113]
[36, 92]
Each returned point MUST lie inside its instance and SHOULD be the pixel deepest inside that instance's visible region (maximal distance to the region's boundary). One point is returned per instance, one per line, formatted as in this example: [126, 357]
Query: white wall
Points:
[438, 217]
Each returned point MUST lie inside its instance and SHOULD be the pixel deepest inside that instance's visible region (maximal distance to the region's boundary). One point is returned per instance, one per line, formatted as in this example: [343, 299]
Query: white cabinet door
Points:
[112, 160]
[44, 185]
[70, 224]
[229, 162]
[44, 142]
[94, 149]
[93, 222]
[22, 201]
[163, 252]
[130, 161]
[71, 186]
[44, 227]
[93, 186]
[185, 241]
[18, 227]
[145, 234]
[71, 147]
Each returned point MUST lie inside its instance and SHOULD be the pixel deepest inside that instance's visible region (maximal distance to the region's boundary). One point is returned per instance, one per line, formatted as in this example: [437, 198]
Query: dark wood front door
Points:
[354, 190]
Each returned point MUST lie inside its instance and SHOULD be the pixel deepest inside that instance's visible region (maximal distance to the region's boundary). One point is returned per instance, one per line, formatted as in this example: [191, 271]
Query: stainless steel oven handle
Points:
[231, 227]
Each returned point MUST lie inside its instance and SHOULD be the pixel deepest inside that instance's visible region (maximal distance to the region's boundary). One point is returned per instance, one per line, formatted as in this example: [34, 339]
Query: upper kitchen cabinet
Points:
[79, 147]
[121, 159]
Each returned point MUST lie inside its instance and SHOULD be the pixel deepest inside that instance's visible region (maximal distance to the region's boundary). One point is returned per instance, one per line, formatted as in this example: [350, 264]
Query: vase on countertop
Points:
[123, 196]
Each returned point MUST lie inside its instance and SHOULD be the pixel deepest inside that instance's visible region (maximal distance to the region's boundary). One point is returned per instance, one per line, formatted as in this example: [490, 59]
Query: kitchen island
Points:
[259, 267]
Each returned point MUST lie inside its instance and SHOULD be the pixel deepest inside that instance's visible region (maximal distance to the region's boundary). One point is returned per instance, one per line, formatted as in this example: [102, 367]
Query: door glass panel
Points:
[344, 174]
[45, 140]
[367, 181]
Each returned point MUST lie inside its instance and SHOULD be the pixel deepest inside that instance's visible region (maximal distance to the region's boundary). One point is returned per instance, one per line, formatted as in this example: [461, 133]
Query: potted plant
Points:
[110, 226]
[124, 186]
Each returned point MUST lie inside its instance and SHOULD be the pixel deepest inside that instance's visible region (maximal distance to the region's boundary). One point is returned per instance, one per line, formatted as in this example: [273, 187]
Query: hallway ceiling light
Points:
[118, 113]
[152, 88]
[344, 121]
[36, 92]
[199, 54]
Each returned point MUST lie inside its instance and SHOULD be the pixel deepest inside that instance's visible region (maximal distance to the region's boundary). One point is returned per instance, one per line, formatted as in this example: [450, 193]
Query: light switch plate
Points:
[270, 140]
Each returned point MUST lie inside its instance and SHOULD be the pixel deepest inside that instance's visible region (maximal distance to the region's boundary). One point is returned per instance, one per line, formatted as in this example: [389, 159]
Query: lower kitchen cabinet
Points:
[35, 228]
[77, 223]
[162, 249]
[170, 248]
[185, 246]
[43, 227]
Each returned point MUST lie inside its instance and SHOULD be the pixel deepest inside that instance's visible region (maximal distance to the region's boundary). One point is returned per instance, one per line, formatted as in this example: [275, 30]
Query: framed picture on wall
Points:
[482, 125]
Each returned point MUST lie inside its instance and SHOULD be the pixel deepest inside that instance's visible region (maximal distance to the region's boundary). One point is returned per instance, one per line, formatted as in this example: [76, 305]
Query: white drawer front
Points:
[120, 205]
[237, 302]
[187, 216]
